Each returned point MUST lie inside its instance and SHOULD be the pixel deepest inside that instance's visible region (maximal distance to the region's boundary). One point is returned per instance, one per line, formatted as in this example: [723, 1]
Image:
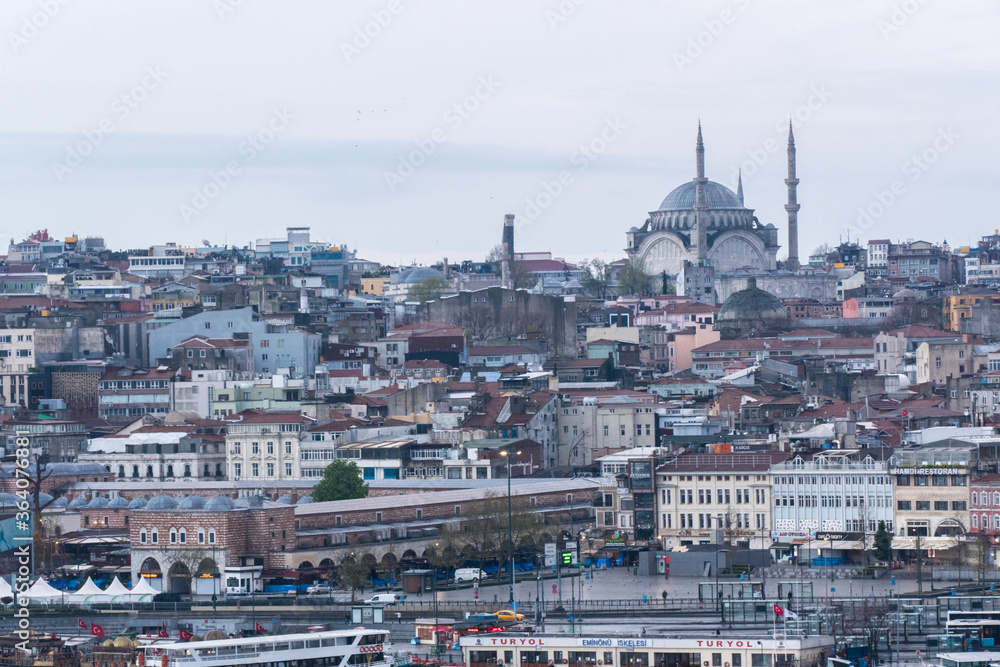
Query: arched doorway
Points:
[207, 578]
[385, 571]
[151, 572]
[180, 578]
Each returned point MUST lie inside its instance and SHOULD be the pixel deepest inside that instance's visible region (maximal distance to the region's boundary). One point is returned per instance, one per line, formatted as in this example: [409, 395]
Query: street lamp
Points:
[510, 529]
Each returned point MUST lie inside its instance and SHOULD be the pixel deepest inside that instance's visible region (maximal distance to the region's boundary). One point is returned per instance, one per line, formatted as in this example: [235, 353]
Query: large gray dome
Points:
[119, 503]
[138, 503]
[77, 503]
[161, 502]
[416, 274]
[219, 504]
[304, 500]
[750, 311]
[98, 502]
[717, 196]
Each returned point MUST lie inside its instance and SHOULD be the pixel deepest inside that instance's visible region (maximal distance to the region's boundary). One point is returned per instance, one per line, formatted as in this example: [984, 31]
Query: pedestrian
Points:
[399, 617]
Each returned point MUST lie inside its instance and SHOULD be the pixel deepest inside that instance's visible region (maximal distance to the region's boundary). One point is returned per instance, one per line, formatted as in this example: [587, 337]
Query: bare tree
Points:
[870, 619]
[981, 554]
[353, 571]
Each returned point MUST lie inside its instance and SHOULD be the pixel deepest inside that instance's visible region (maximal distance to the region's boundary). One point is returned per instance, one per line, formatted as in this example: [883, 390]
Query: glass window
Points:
[923, 505]
[940, 480]
[920, 480]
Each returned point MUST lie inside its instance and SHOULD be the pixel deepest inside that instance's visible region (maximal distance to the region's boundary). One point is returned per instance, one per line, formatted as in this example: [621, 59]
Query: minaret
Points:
[507, 244]
[700, 218]
[739, 187]
[792, 206]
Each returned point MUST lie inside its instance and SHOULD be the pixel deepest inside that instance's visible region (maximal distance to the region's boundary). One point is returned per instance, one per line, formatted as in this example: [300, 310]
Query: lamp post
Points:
[510, 527]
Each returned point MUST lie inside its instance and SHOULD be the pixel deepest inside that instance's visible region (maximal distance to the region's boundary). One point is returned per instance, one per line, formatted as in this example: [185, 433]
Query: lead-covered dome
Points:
[750, 311]
[416, 274]
[191, 503]
[219, 504]
[162, 502]
[717, 196]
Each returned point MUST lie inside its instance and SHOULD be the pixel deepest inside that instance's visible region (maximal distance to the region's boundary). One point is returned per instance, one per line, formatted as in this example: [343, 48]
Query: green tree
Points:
[428, 290]
[596, 277]
[341, 481]
[883, 543]
[354, 572]
[634, 279]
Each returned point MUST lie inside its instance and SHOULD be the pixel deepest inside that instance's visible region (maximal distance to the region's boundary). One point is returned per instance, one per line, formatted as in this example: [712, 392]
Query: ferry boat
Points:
[340, 648]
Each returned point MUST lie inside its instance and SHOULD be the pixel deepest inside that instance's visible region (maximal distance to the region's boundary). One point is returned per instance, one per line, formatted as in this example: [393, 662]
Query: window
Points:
[154, 537]
[288, 447]
[237, 470]
[920, 480]
[211, 537]
[270, 470]
[900, 504]
[255, 469]
[288, 470]
[142, 533]
[182, 536]
[201, 536]
[923, 505]
[255, 448]
[173, 536]
[270, 448]
[902, 480]
[959, 506]
[940, 505]
[975, 498]
[940, 480]
[975, 521]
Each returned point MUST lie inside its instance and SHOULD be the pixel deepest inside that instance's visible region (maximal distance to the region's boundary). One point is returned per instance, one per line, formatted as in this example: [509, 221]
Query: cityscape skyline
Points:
[227, 140]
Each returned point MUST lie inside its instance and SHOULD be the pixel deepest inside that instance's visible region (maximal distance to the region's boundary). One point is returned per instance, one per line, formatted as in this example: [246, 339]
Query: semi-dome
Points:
[219, 504]
[191, 503]
[162, 502]
[98, 502]
[750, 311]
[119, 503]
[304, 500]
[717, 196]
[416, 274]
[138, 503]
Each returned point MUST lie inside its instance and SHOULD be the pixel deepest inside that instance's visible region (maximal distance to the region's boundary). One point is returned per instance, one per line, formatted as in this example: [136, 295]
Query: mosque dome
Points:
[77, 503]
[60, 502]
[415, 274]
[304, 500]
[119, 503]
[138, 503]
[717, 196]
[284, 500]
[98, 502]
[750, 311]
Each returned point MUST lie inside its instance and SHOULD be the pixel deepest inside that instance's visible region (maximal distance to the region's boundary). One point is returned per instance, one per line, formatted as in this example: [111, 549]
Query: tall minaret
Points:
[700, 218]
[792, 206]
[507, 244]
[739, 187]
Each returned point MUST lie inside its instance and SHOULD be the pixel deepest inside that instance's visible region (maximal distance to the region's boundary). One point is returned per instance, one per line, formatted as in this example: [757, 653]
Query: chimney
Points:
[507, 246]
[445, 269]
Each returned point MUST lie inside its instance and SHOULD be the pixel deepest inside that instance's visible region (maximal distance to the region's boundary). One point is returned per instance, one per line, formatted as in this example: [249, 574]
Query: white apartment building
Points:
[837, 492]
[697, 494]
[264, 445]
[592, 425]
[17, 355]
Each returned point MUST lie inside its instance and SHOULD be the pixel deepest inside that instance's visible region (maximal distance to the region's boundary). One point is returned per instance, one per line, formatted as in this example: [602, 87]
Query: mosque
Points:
[703, 229]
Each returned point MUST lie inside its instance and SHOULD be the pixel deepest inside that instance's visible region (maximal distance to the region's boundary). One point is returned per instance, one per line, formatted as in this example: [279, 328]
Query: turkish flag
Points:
[779, 611]
[259, 629]
[96, 630]
[185, 635]
[163, 631]
[80, 623]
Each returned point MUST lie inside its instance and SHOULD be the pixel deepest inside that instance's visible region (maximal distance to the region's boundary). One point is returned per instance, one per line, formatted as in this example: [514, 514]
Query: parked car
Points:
[508, 615]
[385, 599]
[319, 589]
[469, 574]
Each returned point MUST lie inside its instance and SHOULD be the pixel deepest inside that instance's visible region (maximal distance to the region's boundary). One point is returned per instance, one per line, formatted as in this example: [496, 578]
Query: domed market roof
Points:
[191, 503]
[304, 500]
[138, 503]
[98, 502]
[717, 196]
[119, 503]
[161, 502]
[219, 504]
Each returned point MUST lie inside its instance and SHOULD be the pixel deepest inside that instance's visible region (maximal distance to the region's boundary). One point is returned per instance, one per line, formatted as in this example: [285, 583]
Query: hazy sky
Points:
[408, 129]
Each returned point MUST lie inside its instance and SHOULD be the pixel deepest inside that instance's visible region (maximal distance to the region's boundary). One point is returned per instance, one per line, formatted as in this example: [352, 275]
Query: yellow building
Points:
[375, 286]
[959, 307]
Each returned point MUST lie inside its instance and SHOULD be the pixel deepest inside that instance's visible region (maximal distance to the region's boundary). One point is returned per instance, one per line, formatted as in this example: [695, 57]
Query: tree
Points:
[634, 279]
[495, 256]
[272, 266]
[883, 543]
[981, 553]
[596, 278]
[341, 481]
[870, 620]
[486, 527]
[428, 290]
[354, 572]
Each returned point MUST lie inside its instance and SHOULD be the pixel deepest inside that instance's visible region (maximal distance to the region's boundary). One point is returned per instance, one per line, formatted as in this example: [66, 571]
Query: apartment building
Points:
[264, 445]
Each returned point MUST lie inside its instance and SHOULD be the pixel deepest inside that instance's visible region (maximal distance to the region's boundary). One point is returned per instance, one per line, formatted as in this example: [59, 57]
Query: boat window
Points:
[281, 646]
[312, 643]
[330, 641]
[298, 646]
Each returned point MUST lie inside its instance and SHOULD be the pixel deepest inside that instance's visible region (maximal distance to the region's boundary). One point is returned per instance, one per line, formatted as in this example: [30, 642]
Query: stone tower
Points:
[700, 219]
[792, 206]
[507, 245]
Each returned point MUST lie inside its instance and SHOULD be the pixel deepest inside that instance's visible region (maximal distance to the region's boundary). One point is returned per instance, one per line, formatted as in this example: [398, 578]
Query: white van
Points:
[383, 599]
[468, 574]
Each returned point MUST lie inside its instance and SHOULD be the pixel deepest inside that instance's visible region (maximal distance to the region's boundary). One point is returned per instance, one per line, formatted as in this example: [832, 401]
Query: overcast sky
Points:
[408, 129]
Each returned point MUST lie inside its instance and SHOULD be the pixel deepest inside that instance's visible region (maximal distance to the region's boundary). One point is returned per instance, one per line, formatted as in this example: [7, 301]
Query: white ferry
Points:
[336, 648]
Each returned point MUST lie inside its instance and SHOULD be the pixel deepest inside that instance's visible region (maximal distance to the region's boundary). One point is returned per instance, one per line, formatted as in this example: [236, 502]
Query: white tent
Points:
[5, 590]
[142, 589]
[89, 592]
[116, 590]
[41, 591]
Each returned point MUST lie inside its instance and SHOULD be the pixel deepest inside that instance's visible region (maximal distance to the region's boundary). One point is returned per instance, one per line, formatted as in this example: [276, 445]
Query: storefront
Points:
[715, 651]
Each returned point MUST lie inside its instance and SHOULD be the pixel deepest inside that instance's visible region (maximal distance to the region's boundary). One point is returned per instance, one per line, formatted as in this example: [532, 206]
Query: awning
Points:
[925, 542]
